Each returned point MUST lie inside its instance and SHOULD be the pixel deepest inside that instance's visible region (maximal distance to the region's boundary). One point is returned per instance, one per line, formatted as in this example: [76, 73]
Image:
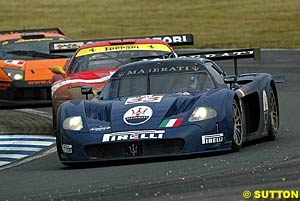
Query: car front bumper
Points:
[77, 147]
[22, 93]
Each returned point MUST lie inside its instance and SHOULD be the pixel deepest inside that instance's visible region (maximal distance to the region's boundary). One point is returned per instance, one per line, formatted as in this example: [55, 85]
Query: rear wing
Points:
[226, 55]
[45, 30]
[72, 46]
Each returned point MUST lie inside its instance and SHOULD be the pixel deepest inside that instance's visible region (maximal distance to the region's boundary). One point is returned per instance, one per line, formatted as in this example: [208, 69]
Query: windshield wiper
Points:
[36, 54]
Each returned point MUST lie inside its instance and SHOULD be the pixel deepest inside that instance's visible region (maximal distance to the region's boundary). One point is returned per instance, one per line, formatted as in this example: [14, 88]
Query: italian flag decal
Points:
[171, 122]
[242, 92]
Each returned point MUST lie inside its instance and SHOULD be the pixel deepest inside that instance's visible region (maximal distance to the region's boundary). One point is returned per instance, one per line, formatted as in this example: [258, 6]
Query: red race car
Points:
[96, 60]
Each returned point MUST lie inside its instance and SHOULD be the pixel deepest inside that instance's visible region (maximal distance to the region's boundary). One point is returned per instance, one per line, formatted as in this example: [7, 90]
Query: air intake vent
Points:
[134, 149]
[181, 105]
[97, 110]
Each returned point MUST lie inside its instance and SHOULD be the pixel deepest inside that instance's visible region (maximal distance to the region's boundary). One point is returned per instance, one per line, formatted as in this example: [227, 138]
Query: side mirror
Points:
[86, 90]
[58, 70]
[231, 80]
[99, 92]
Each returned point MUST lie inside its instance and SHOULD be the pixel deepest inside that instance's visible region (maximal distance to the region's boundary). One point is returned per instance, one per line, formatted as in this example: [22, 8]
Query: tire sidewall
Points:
[235, 146]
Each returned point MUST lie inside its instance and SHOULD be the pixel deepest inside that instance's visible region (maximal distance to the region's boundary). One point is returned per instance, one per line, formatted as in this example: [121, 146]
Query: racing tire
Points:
[238, 127]
[53, 120]
[273, 116]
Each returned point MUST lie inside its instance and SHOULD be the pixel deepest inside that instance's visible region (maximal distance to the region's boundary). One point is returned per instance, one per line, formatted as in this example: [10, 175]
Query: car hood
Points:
[41, 69]
[34, 69]
[70, 86]
[91, 74]
[143, 112]
[139, 113]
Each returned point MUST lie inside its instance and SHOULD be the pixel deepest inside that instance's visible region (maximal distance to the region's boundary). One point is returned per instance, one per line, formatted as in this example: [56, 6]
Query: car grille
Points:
[36, 93]
[134, 149]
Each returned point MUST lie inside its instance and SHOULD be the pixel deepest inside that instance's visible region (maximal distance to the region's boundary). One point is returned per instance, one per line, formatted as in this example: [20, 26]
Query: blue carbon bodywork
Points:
[158, 125]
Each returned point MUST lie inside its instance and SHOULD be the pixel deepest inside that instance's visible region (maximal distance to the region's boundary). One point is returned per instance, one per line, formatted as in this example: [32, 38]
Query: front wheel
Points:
[238, 130]
[273, 116]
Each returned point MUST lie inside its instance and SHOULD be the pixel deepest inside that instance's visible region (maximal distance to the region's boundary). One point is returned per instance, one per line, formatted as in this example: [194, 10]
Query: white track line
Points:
[23, 142]
[15, 142]
[28, 159]
[4, 162]
[20, 149]
[15, 156]
[27, 136]
[36, 112]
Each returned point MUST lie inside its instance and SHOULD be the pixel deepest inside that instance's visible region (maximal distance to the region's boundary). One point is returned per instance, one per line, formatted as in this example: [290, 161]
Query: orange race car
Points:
[96, 60]
[25, 66]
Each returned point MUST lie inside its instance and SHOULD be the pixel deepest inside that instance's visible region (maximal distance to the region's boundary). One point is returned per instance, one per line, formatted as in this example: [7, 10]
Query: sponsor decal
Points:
[239, 53]
[221, 54]
[68, 46]
[67, 148]
[4, 85]
[39, 82]
[133, 135]
[121, 47]
[33, 39]
[211, 139]
[61, 97]
[137, 115]
[129, 47]
[172, 39]
[143, 99]
[171, 122]
[100, 129]
[15, 62]
[145, 71]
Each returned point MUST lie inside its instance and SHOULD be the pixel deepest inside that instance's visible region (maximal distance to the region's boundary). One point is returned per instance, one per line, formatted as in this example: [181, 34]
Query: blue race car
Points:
[169, 107]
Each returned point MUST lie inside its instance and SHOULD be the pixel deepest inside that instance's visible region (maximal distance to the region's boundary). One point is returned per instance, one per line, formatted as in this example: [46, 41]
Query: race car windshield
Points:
[111, 59]
[158, 84]
[29, 49]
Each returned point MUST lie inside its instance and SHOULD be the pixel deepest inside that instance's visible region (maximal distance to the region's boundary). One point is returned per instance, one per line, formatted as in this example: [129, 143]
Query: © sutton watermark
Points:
[271, 194]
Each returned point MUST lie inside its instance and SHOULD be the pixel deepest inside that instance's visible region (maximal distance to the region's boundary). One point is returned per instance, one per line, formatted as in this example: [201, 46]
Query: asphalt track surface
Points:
[260, 165]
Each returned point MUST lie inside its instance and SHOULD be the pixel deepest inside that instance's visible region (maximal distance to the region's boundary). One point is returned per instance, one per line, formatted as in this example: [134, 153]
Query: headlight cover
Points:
[202, 113]
[73, 123]
[14, 74]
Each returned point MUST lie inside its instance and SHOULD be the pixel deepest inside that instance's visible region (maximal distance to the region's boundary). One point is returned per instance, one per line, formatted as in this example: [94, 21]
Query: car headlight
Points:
[73, 123]
[14, 74]
[202, 113]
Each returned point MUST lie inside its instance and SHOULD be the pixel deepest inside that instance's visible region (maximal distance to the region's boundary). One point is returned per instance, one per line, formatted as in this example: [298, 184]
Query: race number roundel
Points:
[137, 115]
